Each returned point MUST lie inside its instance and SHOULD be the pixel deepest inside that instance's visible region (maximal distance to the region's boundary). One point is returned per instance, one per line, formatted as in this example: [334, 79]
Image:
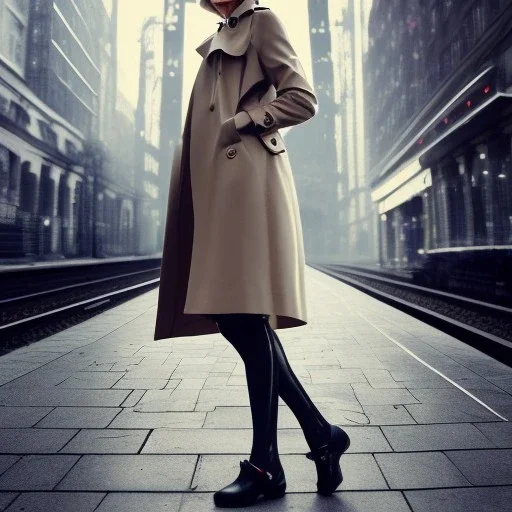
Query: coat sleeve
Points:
[295, 100]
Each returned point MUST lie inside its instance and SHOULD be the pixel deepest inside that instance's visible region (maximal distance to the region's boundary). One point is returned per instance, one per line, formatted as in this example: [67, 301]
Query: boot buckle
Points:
[319, 453]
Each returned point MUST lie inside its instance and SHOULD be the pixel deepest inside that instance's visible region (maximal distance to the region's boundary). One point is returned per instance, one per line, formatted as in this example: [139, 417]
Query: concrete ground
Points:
[102, 418]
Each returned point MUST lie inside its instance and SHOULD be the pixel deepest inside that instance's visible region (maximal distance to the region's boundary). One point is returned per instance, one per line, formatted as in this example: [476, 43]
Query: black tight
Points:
[269, 375]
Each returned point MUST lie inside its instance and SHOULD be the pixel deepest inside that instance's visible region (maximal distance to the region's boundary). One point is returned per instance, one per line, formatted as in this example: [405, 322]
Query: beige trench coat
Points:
[233, 236]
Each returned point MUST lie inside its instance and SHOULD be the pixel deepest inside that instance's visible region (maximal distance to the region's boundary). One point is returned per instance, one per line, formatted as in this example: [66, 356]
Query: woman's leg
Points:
[317, 430]
[251, 337]
[315, 427]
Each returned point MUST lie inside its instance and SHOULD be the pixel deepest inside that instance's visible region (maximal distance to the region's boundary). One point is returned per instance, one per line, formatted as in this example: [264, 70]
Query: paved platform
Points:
[102, 418]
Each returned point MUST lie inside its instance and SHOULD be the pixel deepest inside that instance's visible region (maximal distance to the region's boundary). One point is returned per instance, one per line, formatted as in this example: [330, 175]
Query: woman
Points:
[233, 257]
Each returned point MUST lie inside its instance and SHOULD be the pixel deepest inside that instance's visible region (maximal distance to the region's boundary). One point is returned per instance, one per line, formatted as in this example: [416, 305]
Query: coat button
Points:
[231, 152]
[268, 119]
[274, 141]
[232, 21]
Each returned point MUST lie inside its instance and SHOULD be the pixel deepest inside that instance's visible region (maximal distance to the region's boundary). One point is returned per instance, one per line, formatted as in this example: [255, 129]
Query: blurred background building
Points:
[69, 185]
[438, 83]
[333, 190]
[406, 162]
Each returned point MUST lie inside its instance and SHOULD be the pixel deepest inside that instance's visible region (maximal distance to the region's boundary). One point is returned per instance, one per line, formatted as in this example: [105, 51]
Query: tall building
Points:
[440, 80]
[44, 207]
[312, 149]
[63, 192]
[149, 222]
[349, 21]
[64, 58]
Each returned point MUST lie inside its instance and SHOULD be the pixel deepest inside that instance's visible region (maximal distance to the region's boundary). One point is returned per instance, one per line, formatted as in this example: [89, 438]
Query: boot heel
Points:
[275, 492]
[327, 461]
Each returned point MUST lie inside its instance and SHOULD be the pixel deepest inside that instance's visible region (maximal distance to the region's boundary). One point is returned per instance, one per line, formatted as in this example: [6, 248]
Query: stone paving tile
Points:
[367, 395]
[37, 472]
[450, 412]
[13, 417]
[106, 441]
[500, 433]
[493, 398]
[6, 498]
[360, 472]
[56, 502]
[208, 399]
[380, 378]
[480, 383]
[34, 440]
[484, 467]
[40, 378]
[143, 372]
[168, 400]
[461, 499]
[357, 377]
[133, 398]
[340, 501]
[419, 470]
[130, 473]
[365, 440]
[100, 367]
[216, 382]
[6, 461]
[130, 383]
[504, 383]
[191, 383]
[137, 502]
[129, 418]
[71, 397]
[339, 375]
[442, 396]
[387, 414]
[435, 437]
[92, 380]
[173, 384]
[331, 393]
[79, 417]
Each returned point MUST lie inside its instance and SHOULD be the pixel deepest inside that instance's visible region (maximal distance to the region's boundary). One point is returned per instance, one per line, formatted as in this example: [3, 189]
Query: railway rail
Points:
[40, 301]
[484, 325]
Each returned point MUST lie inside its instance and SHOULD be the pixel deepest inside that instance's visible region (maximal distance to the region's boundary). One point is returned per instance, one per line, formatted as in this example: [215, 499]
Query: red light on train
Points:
[487, 88]
[445, 120]
[420, 140]
[468, 103]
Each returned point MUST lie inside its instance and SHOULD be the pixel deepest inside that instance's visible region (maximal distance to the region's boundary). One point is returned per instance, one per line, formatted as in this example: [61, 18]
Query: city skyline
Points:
[199, 24]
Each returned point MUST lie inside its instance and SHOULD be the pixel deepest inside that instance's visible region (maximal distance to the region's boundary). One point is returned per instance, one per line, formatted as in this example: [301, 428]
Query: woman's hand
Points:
[295, 100]
[243, 122]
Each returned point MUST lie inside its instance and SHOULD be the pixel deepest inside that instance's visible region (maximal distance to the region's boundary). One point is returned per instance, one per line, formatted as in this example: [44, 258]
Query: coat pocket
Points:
[272, 142]
[228, 134]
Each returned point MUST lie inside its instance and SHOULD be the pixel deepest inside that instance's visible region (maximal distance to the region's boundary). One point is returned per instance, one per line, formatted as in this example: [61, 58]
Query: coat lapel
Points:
[236, 42]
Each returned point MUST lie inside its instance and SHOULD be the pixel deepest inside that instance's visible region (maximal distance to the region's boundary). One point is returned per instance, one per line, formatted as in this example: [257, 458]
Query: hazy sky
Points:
[199, 24]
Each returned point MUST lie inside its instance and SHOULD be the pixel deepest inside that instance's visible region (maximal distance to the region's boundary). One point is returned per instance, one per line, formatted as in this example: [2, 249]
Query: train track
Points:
[483, 325]
[36, 303]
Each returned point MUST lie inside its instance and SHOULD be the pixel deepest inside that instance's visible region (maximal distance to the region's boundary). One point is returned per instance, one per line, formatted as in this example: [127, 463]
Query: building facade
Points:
[57, 67]
[439, 75]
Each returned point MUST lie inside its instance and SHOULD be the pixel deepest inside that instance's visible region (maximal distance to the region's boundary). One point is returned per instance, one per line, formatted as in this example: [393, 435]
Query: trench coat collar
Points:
[233, 41]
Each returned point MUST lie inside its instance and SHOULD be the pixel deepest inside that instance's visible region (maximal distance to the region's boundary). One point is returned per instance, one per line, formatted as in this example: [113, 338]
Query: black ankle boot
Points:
[327, 459]
[251, 483]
